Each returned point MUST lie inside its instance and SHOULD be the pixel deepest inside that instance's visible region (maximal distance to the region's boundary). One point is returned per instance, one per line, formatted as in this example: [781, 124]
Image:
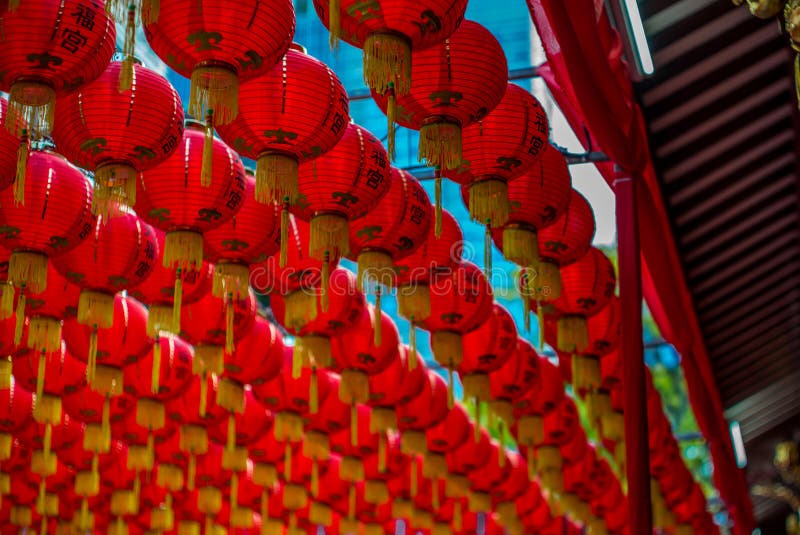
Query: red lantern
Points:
[55, 47]
[513, 380]
[448, 434]
[172, 197]
[345, 304]
[295, 112]
[488, 476]
[389, 34]
[56, 217]
[500, 147]
[166, 289]
[439, 252]
[470, 455]
[340, 186]
[587, 286]
[224, 44]
[460, 301]
[421, 412]
[359, 352]
[457, 81]
[564, 242]
[120, 254]
[16, 413]
[124, 343]
[99, 410]
[485, 350]
[117, 134]
[249, 237]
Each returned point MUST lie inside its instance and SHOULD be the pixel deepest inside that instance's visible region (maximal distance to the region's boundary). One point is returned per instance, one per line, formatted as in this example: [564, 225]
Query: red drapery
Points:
[589, 80]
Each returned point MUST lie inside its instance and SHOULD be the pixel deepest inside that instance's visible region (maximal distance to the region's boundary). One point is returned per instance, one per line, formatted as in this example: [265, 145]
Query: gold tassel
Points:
[208, 151]
[375, 266]
[329, 233]
[44, 333]
[477, 385]
[13, 5]
[458, 515]
[353, 424]
[438, 204]
[298, 356]
[440, 145]
[177, 301]
[20, 317]
[28, 270]
[129, 45]
[450, 395]
[526, 300]
[214, 88]
[155, 374]
[376, 492]
[91, 365]
[414, 302]
[387, 63]
[313, 394]
[447, 348]
[114, 188]
[573, 334]
[435, 493]
[31, 105]
[5, 383]
[229, 344]
[6, 300]
[314, 478]
[521, 246]
[477, 436]
[277, 179]
[203, 395]
[326, 279]
[548, 281]
[264, 506]
[22, 166]
[184, 249]
[412, 341]
[40, 374]
[351, 501]
[487, 250]
[377, 320]
[284, 255]
[96, 308]
[301, 308]
[391, 116]
[540, 320]
[488, 200]
[234, 497]
[334, 23]
[531, 462]
[48, 439]
[191, 471]
[151, 9]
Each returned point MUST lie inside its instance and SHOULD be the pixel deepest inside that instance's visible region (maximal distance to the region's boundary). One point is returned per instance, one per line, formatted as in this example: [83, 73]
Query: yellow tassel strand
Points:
[287, 461]
[177, 301]
[277, 179]
[313, 394]
[203, 395]
[382, 453]
[458, 515]
[230, 443]
[314, 478]
[44, 334]
[488, 200]
[377, 319]
[40, 374]
[31, 105]
[234, 497]
[301, 308]
[526, 300]
[477, 436]
[215, 88]
[391, 116]
[353, 424]
[487, 250]
[191, 471]
[326, 279]
[540, 320]
[206, 168]
[435, 493]
[28, 271]
[531, 462]
[414, 484]
[351, 502]
[20, 318]
[47, 441]
[440, 145]
[184, 249]
[92, 360]
[334, 23]
[6, 300]
[229, 316]
[155, 376]
[22, 167]
[375, 266]
[5, 383]
[573, 334]
[438, 205]
[412, 342]
[450, 394]
[298, 356]
[129, 45]
[264, 506]
[284, 254]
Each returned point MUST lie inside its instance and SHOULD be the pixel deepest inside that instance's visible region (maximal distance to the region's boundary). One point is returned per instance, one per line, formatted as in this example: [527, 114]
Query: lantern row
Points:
[323, 188]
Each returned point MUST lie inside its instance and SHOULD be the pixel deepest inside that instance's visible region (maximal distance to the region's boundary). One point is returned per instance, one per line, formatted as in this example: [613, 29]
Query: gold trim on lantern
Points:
[114, 188]
[488, 201]
[329, 235]
[230, 278]
[183, 249]
[277, 178]
[214, 87]
[440, 144]
[28, 270]
[44, 334]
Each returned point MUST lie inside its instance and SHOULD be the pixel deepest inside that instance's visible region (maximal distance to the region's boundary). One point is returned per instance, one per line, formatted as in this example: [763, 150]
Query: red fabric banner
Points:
[590, 82]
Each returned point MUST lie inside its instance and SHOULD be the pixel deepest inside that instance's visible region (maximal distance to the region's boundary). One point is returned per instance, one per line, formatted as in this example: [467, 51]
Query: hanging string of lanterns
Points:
[142, 386]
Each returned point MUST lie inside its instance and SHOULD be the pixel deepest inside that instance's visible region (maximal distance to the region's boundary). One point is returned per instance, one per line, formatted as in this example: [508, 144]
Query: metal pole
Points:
[637, 448]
